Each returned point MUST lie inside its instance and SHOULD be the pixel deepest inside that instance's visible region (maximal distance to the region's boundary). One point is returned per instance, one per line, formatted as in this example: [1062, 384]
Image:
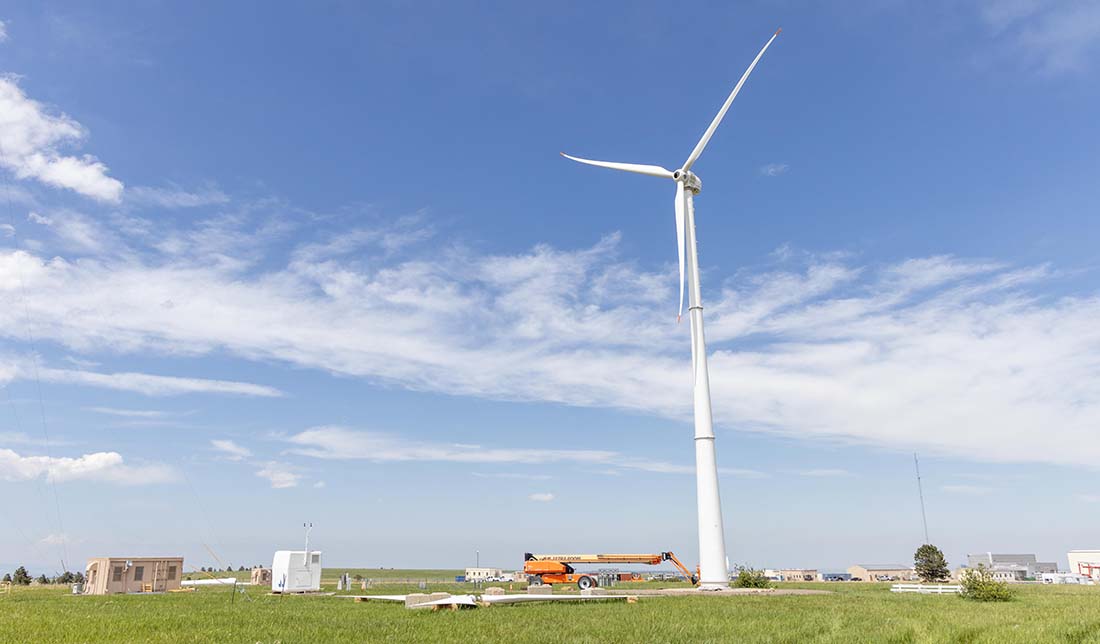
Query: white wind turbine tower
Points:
[713, 565]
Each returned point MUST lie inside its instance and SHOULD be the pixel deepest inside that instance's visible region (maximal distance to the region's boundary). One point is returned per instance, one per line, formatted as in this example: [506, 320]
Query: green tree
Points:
[20, 577]
[930, 564]
[7, 578]
[43, 579]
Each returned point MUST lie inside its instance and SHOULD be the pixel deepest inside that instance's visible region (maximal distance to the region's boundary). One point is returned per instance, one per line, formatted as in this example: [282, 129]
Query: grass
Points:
[853, 612]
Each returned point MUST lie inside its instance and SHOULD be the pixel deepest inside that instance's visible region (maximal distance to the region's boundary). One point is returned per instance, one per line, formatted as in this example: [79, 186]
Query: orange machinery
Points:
[558, 569]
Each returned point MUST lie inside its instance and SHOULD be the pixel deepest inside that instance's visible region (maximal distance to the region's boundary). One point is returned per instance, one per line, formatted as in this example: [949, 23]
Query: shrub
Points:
[978, 584]
[749, 578]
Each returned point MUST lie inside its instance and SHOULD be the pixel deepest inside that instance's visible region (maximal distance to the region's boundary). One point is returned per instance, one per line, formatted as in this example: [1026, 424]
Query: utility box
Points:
[296, 571]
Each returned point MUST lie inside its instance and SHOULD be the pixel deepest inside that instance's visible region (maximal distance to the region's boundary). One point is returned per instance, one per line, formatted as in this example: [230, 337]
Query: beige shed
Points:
[107, 575]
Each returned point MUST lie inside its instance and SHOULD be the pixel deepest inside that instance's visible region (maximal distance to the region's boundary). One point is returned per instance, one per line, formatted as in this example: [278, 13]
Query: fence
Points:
[939, 589]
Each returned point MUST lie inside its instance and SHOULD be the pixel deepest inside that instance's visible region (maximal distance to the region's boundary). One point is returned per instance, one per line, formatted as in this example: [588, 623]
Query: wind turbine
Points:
[713, 565]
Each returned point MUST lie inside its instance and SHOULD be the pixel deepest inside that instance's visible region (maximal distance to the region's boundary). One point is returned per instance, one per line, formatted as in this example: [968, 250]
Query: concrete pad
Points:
[540, 589]
[415, 599]
[494, 590]
[593, 591]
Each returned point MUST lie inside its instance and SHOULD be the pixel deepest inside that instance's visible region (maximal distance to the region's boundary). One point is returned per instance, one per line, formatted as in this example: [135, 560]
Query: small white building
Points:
[1065, 578]
[296, 571]
[483, 574]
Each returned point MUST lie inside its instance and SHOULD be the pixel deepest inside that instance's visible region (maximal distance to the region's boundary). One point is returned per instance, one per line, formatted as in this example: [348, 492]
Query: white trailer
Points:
[296, 571]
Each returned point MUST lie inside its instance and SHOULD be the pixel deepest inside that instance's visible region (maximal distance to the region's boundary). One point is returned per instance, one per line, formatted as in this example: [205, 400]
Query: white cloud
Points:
[74, 231]
[231, 450]
[30, 142]
[542, 497]
[512, 475]
[1049, 36]
[153, 385]
[280, 475]
[936, 354]
[3, 31]
[333, 442]
[319, 484]
[1089, 498]
[57, 539]
[128, 413]
[774, 169]
[98, 466]
[342, 443]
[175, 197]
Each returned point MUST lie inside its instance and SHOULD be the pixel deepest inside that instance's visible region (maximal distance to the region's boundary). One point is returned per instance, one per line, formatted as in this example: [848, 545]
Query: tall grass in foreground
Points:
[853, 612]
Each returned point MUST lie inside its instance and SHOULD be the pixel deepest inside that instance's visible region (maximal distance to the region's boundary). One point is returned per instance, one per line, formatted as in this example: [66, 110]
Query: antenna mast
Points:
[920, 491]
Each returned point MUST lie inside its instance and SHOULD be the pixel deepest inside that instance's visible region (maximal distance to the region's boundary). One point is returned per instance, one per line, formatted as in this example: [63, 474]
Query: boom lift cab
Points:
[558, 569]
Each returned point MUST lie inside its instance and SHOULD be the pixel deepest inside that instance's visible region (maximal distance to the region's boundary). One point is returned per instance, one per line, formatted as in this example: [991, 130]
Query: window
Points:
[139, 573]
[116, 575]
[316, 559]
[171, 573]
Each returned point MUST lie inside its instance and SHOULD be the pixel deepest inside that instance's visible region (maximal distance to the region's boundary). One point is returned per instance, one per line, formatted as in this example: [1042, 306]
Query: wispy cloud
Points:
[97, 466]
[774, 169]
[3, 31]
[230, 450]
[151, 385]
[899, 355]
[128, 413]
[333, 442]
[541, 497]
[279, 475]
[967, 490]
[30, 141]
[175, 197]
[826, 473]
[1048, 36]
[512, 475]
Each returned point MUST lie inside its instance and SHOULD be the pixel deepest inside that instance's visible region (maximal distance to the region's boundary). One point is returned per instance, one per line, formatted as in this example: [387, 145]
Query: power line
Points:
[63, 546]
[920, 491]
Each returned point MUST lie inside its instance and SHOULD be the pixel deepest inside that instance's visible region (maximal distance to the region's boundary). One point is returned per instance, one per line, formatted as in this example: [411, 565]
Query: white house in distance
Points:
[482, 574]
[296, 571]
[1085, 562]
[1011, 567]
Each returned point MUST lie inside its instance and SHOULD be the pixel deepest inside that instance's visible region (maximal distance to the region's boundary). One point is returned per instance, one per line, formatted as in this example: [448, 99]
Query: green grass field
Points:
[853, 612]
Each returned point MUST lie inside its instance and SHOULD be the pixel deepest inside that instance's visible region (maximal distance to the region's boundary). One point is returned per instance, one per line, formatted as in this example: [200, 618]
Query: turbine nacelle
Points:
[691, 181]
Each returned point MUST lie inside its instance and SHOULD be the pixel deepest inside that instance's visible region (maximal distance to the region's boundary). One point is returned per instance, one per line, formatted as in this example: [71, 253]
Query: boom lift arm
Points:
[558, 569]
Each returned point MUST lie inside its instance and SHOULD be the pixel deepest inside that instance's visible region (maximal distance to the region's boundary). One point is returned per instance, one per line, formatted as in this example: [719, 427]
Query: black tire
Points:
[584, 583]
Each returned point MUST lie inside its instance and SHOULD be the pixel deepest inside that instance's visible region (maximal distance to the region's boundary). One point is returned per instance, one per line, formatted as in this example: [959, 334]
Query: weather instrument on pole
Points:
[712, 542]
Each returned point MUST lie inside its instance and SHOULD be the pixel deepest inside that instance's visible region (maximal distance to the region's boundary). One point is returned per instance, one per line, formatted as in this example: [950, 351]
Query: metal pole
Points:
[920, 491]
[477, 558]
[713, 573]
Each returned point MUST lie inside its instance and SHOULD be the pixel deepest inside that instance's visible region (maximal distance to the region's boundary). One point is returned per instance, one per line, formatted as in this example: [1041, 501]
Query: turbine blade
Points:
[725, 106]
[680, 241]
[652, 170]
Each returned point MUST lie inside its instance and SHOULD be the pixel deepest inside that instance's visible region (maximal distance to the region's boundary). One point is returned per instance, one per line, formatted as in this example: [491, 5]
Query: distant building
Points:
[260, 576]
[1085, 562]
[108, 575]
[1011, 567]
[835, 576]
[481, 574]
[882, 572]
[798, 574]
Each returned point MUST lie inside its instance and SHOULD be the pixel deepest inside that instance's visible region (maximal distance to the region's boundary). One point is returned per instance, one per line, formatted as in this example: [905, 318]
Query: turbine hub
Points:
[691, 182]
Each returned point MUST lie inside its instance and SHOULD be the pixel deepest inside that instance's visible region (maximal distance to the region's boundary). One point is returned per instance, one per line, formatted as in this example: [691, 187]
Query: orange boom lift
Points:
[558, 569]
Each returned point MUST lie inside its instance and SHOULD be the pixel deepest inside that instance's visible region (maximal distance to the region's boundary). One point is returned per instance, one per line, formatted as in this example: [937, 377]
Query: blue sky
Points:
[267, 264]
